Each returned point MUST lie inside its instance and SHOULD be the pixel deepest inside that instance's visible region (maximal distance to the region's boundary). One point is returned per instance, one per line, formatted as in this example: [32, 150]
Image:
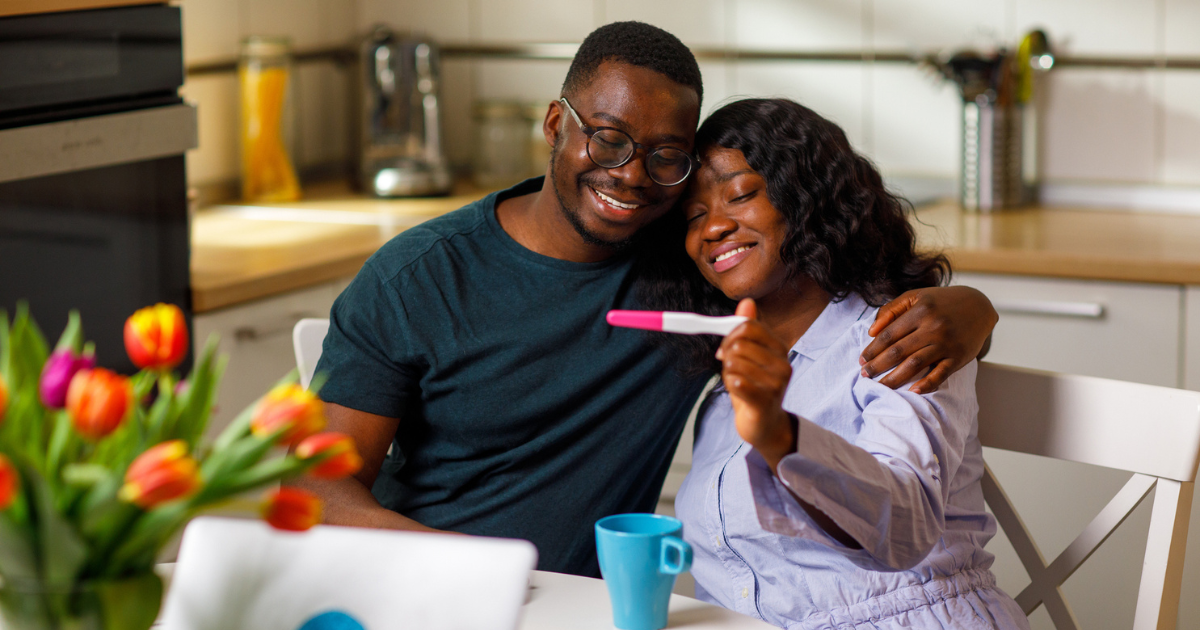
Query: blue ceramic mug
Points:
[640, 555]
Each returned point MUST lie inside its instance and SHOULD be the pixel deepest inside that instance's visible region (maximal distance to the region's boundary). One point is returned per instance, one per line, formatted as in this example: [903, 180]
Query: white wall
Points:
[1103, 126]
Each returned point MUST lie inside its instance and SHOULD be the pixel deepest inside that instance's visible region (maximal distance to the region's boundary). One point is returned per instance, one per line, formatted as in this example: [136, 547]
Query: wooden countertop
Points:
[242, 253]
[1066, 242]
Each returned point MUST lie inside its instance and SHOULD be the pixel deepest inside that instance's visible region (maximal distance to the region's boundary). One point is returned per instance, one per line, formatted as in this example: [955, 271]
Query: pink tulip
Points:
[56, 378]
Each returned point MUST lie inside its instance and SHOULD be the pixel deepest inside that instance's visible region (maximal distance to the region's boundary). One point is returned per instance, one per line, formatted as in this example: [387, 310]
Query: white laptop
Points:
[237, 573]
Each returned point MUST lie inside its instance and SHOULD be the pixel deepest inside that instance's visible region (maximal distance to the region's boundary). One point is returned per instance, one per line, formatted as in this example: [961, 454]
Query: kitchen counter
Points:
[242, 253]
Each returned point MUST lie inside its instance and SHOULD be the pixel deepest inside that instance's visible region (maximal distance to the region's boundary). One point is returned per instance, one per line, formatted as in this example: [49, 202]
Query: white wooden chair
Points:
[307, 336]
[1153, 432]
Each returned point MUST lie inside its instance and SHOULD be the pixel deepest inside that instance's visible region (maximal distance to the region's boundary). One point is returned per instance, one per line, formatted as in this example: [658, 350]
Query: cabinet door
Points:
[257, 336]
[1125, 331]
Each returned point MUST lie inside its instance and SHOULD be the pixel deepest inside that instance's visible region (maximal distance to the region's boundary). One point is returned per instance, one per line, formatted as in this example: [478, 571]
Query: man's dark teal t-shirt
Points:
[522, 413]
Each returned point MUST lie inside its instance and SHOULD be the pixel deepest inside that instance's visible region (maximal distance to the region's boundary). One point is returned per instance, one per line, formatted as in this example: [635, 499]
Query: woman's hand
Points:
[943, 328]
[755, 369]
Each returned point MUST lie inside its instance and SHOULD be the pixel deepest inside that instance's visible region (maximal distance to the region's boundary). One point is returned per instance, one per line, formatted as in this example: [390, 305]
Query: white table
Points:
[569, 602]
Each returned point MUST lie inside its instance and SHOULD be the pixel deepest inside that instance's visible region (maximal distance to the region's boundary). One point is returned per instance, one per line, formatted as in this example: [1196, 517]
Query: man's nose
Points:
[633, 173]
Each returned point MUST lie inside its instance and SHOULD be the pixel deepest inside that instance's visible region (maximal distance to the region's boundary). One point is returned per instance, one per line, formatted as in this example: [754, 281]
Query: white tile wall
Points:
[1119, 126]
[834, 90]
[1094, 27]
[915, 122]
[937, 24]
[789, 25]
[695, 22]
[1099, 125]
[1181, 128]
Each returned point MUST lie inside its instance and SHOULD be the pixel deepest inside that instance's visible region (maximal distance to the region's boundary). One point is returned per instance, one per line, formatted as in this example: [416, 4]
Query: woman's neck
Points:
[790, 311]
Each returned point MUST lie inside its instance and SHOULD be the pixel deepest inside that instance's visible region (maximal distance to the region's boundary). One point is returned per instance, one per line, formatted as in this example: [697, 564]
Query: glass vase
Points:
[126, 604]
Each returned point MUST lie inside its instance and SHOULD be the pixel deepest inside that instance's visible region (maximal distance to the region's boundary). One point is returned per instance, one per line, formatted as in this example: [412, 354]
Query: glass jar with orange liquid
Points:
[267, 124]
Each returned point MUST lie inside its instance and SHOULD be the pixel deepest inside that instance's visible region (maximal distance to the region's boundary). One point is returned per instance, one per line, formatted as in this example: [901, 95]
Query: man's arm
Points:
[349, 501]
[941, 328]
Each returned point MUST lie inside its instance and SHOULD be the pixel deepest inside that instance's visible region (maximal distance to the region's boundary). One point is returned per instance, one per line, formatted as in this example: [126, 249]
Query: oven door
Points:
[93, 216]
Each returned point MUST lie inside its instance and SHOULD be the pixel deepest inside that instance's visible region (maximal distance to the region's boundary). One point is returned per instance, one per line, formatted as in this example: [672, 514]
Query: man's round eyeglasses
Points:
[613, 148]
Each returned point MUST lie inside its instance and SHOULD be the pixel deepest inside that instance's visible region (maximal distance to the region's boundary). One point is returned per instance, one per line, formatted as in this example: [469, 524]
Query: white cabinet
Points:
[1125, 331]
[257, 337]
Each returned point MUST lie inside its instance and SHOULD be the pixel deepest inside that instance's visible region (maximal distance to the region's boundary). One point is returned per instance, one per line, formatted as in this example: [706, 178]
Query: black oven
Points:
[93, 187]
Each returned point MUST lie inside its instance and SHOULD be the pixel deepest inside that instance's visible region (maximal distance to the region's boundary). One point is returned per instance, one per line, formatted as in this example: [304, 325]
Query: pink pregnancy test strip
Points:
[675, 322]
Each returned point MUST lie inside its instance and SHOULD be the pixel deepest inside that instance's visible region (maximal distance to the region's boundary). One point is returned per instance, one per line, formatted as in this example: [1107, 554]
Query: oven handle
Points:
[96, 141]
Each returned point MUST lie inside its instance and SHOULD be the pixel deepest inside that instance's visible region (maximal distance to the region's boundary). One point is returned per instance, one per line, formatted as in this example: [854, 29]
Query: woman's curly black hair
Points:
[845, 230]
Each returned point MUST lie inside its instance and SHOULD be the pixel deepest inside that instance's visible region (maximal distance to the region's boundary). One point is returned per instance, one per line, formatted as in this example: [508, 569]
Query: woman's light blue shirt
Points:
[897, 471]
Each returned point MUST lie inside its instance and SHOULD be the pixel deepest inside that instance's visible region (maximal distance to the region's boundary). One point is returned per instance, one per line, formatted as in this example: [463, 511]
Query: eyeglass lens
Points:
[610, 148]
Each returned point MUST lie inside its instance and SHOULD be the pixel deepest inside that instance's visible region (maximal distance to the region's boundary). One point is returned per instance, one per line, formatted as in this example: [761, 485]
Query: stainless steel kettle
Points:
[401, 153]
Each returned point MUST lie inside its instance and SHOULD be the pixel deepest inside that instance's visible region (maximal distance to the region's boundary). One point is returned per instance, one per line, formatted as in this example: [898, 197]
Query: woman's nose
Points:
[717, 225]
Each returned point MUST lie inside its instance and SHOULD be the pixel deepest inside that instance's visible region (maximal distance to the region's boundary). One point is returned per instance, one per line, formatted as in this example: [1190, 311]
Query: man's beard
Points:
[573, 217]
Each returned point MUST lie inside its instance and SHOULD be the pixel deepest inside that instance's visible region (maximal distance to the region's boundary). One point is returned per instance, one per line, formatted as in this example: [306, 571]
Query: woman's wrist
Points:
[783, 442]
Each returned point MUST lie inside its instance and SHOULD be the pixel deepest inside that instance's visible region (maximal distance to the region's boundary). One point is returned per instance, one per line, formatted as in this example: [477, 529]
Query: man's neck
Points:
[537, 222]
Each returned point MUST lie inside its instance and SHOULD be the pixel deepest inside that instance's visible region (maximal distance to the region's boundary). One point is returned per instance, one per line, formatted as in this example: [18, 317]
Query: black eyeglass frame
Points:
[589, 131]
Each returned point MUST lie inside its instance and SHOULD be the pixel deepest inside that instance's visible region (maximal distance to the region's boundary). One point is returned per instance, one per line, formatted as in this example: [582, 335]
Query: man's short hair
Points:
[637, 44]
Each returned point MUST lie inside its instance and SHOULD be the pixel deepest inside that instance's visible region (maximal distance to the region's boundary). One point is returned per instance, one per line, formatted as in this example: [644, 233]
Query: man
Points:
[475, 344]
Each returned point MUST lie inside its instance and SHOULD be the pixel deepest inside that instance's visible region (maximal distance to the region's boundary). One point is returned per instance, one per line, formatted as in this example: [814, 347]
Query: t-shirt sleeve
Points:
[366, 357]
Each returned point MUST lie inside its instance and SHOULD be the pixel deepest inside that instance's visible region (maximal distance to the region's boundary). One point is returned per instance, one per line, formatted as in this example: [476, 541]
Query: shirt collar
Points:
[830, 324]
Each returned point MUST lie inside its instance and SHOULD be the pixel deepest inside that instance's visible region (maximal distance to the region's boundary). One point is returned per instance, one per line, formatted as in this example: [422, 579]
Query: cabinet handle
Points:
[1085, 310]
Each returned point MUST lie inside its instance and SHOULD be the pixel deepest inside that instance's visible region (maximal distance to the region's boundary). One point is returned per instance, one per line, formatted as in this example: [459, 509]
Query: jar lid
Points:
[266, 46]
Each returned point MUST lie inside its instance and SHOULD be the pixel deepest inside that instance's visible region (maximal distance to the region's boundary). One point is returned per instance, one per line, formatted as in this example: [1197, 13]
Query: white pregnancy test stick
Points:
[675, 322]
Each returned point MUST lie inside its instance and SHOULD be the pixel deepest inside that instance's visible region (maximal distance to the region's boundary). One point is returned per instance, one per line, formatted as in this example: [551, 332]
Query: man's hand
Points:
[756, 371]
[942, 328]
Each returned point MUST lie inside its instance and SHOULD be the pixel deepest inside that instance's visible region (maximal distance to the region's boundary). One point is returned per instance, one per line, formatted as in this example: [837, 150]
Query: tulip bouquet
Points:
[99, 470]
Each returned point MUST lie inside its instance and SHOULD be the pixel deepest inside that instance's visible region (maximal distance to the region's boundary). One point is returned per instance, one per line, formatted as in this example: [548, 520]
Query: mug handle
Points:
[680, 547]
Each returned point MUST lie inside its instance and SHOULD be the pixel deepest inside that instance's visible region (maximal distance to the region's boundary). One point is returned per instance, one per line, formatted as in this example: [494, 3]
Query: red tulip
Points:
[9, 481]
[162, 473]
[156, 337]
[336, 454]
[292, 509]
[295, 411]
[60, 368]
[98, 401]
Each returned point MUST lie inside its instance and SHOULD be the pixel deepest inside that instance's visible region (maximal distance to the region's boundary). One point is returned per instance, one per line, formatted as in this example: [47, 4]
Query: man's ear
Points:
[552, 123]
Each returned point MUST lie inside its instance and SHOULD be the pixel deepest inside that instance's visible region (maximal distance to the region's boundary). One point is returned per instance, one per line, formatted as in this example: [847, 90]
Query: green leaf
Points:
[259, 475]
[198, 400]
[61, 550]
[147, 535]
[85, 475]
[132, 603]
[72, 335]
[60, 441]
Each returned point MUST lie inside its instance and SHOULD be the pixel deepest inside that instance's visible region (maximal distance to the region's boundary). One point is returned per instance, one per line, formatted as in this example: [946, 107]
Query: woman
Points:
[819, 498]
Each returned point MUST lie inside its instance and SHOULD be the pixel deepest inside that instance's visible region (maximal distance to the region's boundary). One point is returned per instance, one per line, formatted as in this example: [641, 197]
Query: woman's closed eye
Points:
[740, 198]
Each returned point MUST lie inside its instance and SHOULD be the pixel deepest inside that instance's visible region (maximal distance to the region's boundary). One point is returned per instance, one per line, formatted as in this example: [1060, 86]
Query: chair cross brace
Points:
[1046, 579]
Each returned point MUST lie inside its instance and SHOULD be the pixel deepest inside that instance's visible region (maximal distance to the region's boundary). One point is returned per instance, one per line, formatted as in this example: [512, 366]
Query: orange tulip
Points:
[98, 401]
[162, 473]
[3, 398]
[9, 480]
[292, 509]
[336, 454]
[291, 409]
[156, 337]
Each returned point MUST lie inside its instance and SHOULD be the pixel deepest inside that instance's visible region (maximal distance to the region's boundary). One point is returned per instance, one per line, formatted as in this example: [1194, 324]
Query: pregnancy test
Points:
[675, 322]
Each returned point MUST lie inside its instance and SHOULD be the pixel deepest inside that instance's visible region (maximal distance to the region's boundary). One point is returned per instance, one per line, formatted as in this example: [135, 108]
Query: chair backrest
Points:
[239, 573]
[1153, 432]
[307, 337]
